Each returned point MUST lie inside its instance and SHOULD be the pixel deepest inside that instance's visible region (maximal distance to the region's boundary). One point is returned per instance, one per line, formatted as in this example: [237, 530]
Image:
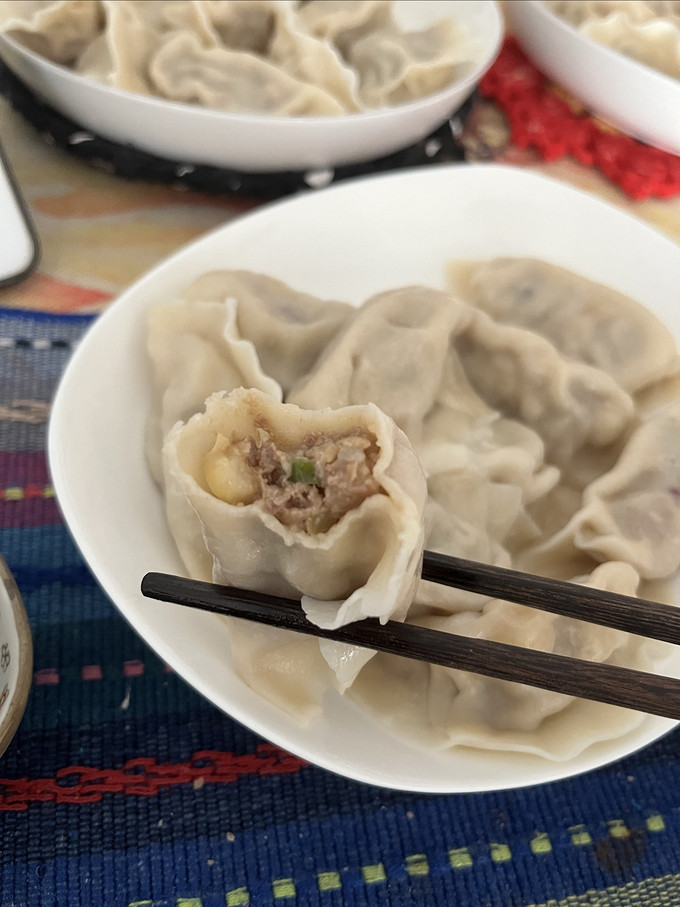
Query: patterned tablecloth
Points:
[123, 787]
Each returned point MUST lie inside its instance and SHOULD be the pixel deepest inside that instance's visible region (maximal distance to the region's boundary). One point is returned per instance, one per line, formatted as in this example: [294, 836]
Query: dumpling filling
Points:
[307, 488]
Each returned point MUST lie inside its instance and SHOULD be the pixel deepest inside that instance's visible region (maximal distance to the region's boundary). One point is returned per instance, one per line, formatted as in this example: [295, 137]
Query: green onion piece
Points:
[303, 470]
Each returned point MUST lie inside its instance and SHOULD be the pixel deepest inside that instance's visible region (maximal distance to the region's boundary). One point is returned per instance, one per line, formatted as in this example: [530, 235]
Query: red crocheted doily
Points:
[544, 117]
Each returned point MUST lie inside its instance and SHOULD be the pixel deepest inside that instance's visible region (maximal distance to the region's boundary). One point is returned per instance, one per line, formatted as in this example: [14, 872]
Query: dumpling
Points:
[246, 25]
[567, 403]
[462, 431]
[194, 350]
[379, 357]
[272, 29]
[284, 668]
[584, 320]
[439, 707]
[483, 470]
[325, 504]
[343, 21]
[271, 57]
[655, 43]
[215, 77]
[135, 30]
[231, 329]
[120, 56]
[391, 66]
[579, 11]
[59, 31]
[395, 67]
[289, 329]
[484, 473]
[310, 58]
[633, 512]
[645, 30]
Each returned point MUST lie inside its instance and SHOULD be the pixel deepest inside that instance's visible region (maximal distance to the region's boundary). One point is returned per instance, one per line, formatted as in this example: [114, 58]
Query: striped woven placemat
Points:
[124, 788]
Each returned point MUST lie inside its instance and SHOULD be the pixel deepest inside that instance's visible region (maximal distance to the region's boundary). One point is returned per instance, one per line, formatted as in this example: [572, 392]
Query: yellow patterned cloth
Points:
[99, 232]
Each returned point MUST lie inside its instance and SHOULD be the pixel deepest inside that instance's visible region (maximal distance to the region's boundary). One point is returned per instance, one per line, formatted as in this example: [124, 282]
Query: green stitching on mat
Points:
[618, 829]
[284, 888]
[329, 881]
[418, 864]
[540, 843]
[460, 858]
[655, 823]
[500, 853]
[373, 874]
[580, 836]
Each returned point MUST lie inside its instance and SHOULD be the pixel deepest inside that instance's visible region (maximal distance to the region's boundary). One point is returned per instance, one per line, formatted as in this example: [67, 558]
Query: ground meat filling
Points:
[308, 488]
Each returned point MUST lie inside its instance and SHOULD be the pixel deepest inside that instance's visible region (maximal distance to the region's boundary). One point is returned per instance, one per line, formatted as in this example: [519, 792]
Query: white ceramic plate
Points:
[346, 242]
[194, 135]
[636, 99]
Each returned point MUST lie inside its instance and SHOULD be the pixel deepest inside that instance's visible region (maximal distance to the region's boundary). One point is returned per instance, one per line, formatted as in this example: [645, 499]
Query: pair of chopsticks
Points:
[639, 690]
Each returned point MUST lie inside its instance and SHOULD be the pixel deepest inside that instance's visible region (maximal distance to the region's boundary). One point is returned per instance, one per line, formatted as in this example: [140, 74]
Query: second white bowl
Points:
[195, 135]
[636, 99]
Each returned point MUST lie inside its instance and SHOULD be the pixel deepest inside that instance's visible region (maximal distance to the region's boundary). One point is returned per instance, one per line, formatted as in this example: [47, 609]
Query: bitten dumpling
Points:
[326, 504]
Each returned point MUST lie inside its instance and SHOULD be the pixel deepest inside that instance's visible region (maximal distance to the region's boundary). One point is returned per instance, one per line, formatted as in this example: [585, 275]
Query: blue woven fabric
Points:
[85, 820]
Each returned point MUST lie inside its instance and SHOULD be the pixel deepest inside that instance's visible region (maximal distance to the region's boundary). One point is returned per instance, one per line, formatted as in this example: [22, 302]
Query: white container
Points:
[635, 98]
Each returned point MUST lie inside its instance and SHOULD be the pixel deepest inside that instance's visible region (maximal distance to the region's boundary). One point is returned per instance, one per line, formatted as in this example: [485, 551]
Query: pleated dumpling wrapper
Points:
[323, 504]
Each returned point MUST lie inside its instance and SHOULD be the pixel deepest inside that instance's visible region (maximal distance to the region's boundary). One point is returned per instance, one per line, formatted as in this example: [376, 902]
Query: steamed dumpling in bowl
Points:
[231, 329]
[59, 31]
[265, 57]
[644, 30]
[584, 320]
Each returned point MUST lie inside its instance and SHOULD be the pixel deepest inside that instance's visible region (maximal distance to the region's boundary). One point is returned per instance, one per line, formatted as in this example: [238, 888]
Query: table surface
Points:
[123, 786]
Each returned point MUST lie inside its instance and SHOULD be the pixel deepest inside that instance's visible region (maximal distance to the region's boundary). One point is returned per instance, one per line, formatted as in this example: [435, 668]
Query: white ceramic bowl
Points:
[195, 135]
[636, 99]
[16, 657]
[386, 231]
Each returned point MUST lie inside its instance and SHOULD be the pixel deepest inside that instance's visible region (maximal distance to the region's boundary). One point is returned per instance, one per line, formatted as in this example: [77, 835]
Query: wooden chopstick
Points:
[610, 609]
[638, 690]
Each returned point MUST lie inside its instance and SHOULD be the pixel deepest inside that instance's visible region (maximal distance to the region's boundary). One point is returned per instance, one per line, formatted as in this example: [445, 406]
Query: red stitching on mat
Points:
[46, 676]
[544, 117]
[144, 777]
